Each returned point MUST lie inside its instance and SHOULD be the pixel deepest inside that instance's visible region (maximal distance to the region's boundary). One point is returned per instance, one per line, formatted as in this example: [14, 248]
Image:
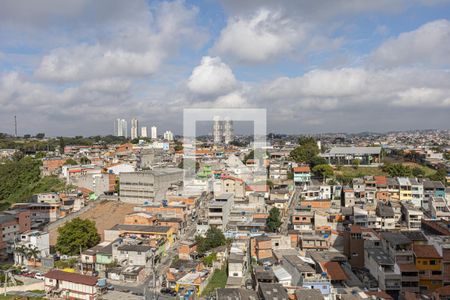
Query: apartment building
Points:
[429, 264]
[61, 284]
[412, 215]
[382, 267]
[219, 211]
[278, 170]
[302, 175]
[12, 224]
[149, 185]
[438, 208]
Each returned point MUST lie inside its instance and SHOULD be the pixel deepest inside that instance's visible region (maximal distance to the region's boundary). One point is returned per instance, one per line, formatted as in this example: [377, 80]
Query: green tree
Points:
[71, 161]
[178, 146]
[85, 161]
[19, 180]
[274, 220]
[440, 175]
[210, 259]
[355, 163]
[77, 235]
[62, 144]
[323, 171]
[305, 153]
[397, 170]
[418, 172]
[214, 238]
[33, 253]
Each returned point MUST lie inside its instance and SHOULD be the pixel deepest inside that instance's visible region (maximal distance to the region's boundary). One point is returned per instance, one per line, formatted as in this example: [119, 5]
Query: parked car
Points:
[168, 291]
[39, 276]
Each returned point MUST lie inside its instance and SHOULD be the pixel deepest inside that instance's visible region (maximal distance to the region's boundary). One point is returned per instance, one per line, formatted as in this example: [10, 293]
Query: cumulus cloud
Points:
[136, 49]
[260, 36]
[211, 77]
[423, 97]
[357, 87]
[428, 44]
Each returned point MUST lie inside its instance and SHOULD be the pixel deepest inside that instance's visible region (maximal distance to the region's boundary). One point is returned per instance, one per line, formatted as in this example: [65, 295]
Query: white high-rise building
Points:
[227, 131]
[217, 130]
[222, 130]
[120, 128]
[154, 132]
[168, 135]
[144, 131]
[134, 128]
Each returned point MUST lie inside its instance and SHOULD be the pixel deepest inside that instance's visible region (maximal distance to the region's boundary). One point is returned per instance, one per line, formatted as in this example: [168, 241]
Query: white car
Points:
[39, 276]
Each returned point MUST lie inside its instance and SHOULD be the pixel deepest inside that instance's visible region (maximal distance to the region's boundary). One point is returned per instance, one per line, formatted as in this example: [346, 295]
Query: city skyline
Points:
[316, 67]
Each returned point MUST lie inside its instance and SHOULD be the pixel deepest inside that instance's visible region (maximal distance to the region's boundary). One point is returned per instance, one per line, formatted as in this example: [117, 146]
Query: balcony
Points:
[215, 222]
[410, 278]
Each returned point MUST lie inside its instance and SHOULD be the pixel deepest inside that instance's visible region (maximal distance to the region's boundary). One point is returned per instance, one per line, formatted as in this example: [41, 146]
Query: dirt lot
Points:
[105, 214]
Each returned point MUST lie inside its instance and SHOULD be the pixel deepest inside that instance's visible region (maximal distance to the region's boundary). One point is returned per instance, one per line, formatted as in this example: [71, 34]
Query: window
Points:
[432, 262]
[139, 253]
[436, 273]
[277, 244]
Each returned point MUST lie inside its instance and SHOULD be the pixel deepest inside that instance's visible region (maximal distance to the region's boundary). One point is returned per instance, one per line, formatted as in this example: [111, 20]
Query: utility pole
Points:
[6, 282]
[81, 261]
[154, 271]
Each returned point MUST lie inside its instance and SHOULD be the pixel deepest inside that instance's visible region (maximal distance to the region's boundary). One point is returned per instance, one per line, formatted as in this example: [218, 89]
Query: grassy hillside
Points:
[19, 180]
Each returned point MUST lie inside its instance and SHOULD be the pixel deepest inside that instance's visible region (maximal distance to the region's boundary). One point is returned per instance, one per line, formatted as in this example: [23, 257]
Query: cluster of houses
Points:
[382, 237]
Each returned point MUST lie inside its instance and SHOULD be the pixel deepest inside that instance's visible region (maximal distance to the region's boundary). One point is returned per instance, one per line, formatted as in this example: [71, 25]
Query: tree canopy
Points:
[21, 179]
[214, 238]
[323, 171]
[77, 235]
[274, 220]
[397, 170]
[307, 152]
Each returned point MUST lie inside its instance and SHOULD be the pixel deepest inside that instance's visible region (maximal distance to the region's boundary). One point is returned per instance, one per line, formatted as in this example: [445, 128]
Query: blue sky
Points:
[316, 66]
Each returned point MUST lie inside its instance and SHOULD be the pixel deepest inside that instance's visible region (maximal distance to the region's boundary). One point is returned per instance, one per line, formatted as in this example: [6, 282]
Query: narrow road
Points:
[293, 202]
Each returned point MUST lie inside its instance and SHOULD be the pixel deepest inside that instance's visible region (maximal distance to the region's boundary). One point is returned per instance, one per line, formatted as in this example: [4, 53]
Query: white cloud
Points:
[361, 87]
[135, 49]
[211, 77]
[232, 100]
[428, 44]
[260, 36]
[321, 83]
[85, 62]
[423, 97]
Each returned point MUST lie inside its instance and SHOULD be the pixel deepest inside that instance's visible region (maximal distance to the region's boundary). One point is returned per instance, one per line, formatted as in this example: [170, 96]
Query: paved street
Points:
[292, 204]
[161, 267]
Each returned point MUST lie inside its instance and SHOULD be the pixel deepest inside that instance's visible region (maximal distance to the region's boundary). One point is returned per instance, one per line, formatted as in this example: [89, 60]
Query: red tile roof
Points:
[380, 180]
[302, 169]
[335, 271]
[443, 291]
[72, 277]
[426, 251]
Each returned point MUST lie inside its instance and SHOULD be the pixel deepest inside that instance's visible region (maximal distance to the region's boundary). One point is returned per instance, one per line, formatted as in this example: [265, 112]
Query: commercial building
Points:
[148, 186]
[346, 155]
